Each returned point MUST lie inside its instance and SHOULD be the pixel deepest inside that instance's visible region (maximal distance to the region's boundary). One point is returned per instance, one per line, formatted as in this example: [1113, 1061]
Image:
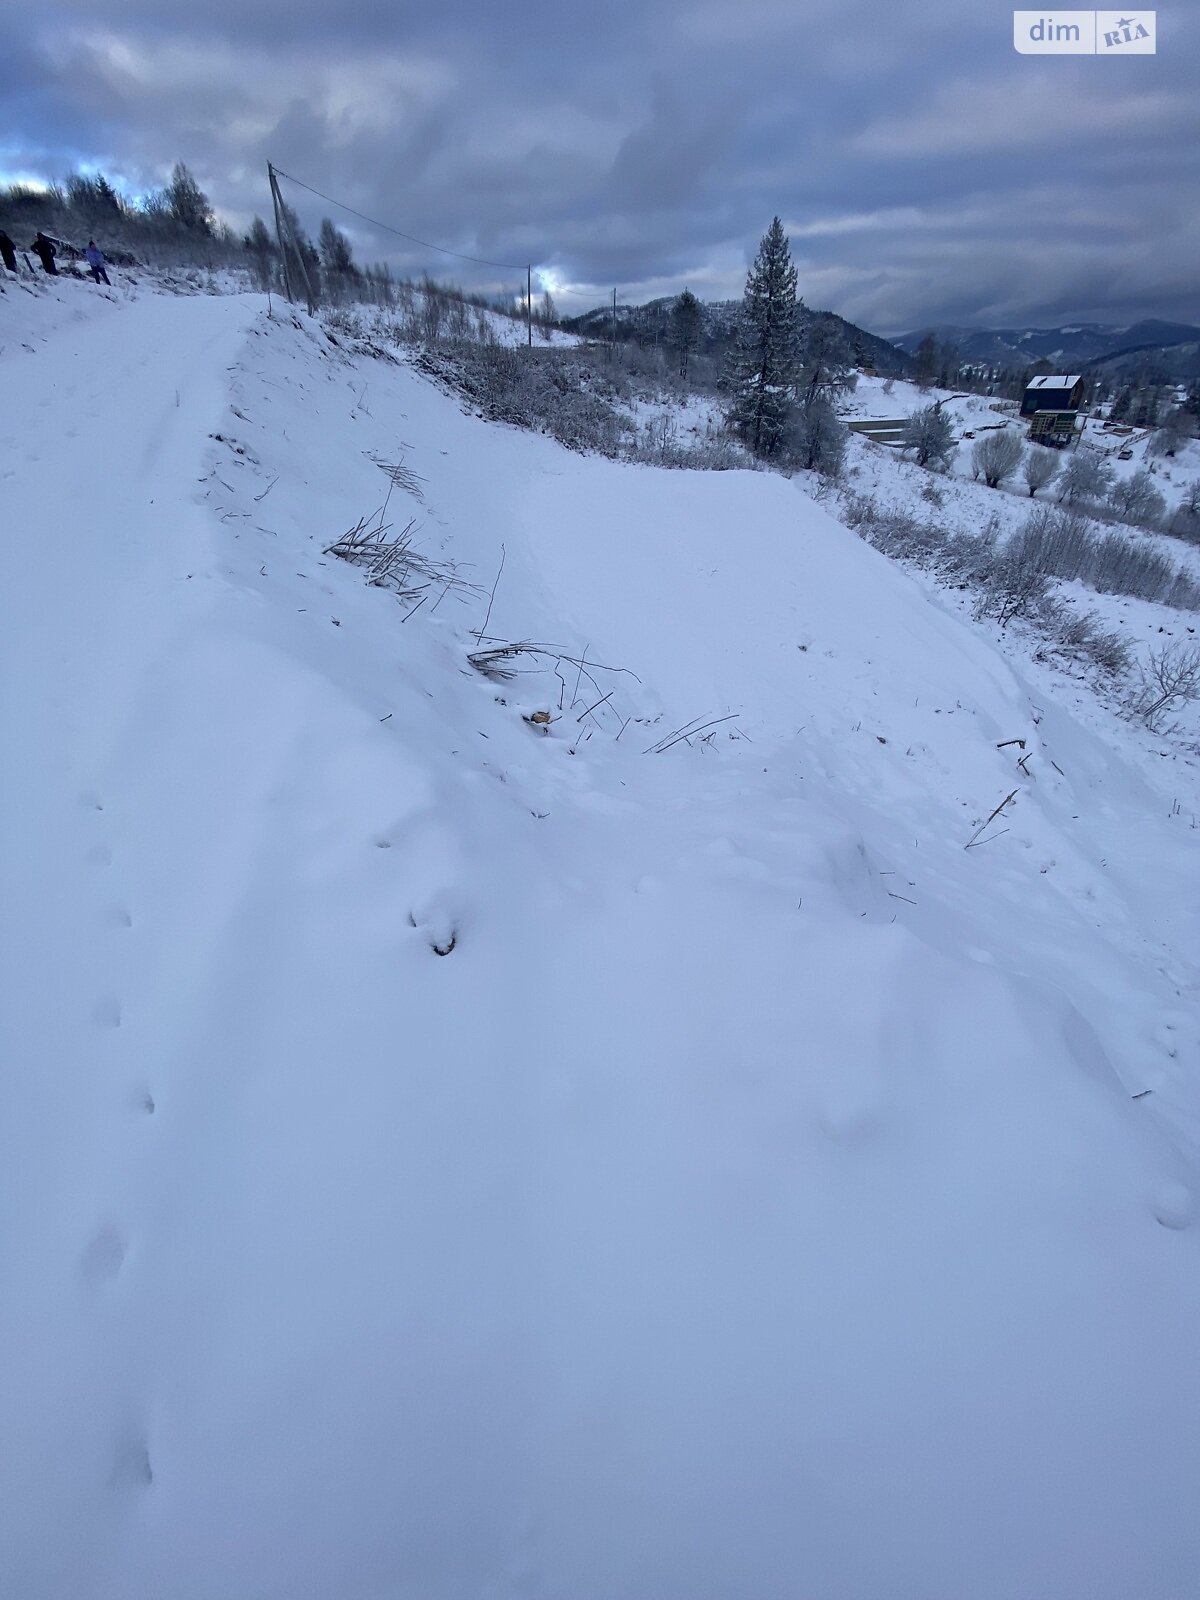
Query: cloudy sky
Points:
[925, 171]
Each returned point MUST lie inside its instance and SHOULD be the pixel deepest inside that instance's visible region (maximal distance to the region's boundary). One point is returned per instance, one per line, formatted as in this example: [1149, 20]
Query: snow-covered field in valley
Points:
[448, 1155]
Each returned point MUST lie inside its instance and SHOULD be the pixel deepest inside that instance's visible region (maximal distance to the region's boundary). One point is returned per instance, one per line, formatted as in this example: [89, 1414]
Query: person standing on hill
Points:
[94, 257]
[8, 250]
[45, 252]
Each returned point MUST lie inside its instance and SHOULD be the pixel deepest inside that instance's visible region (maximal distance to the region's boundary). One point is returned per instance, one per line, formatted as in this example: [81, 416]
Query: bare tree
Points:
[1169, 679]
[1040, 468]
[1172, 433]
[997, 456]
[1185, 520]
[547, 316]
[1136, 499]
[929, 434]
[825, 368]
[1085, 477]
[815, 439]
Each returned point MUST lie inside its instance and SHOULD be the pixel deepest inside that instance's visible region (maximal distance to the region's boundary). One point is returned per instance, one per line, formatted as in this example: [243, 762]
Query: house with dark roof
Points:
[1052, 393]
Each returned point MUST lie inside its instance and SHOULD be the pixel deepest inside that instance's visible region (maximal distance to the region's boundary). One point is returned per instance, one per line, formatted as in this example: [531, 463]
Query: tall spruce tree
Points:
[187, 202]
[764, 363]
[686, 318]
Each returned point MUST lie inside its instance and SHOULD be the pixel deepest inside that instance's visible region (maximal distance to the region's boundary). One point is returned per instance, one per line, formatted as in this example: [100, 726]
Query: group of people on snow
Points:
[46, 252]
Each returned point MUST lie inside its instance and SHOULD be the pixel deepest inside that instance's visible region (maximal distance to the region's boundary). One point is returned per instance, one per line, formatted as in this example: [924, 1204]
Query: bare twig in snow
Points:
[491, 597]
[1008, 799]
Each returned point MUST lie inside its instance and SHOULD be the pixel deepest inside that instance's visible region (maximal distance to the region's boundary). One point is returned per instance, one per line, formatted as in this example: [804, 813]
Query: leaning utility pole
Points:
[283, 227]
[277, 202]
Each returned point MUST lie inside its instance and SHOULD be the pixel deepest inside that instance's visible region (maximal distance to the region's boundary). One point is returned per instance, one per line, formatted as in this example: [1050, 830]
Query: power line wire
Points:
[480, 261]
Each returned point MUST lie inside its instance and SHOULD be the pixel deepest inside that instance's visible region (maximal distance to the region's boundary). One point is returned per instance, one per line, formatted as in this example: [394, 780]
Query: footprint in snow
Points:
[99, 856]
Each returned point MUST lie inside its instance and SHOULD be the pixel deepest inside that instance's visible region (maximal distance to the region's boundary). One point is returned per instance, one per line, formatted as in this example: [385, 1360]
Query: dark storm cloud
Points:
[925, 170]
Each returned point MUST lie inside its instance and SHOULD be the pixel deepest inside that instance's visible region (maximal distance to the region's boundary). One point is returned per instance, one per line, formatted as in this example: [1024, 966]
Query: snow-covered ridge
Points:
[761, 1195]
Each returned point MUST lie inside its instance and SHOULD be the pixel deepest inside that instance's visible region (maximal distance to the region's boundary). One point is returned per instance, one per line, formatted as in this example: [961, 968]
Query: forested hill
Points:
[650, 324]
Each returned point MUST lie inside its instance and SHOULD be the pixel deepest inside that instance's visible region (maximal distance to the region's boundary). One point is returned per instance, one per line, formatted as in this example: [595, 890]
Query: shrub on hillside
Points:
[1064, 545]
[551, 391]
[1168, 680]
[814, 439]
[1136, 499]
[929, 434]
[996, 456]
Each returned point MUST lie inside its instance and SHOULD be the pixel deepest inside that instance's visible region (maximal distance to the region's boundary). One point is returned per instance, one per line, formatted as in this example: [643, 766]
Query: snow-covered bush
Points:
[1041, 468]
[929, 434]
[1084, 478]
[1080, 635]
[1137, 499]
[1064, 545]
[1185, 520]
[1015, 586]
[814, 439]
[997, 456]
[563, 393]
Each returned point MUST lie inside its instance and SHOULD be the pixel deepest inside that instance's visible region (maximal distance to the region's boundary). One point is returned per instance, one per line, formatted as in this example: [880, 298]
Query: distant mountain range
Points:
[1150, 348]
[649, 324]
[1096, 346]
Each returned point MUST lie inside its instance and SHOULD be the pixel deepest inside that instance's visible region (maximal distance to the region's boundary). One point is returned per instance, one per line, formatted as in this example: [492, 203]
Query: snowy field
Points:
[882, 398]
[956, 503]
[443, 1158]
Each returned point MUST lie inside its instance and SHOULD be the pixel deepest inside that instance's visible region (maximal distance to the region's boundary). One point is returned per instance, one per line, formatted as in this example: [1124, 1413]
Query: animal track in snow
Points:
[117, 917]
[439, 929]
[106, 1013]
[131, 1466]
[103, 1258]
[1174, 1205]
[99, 856]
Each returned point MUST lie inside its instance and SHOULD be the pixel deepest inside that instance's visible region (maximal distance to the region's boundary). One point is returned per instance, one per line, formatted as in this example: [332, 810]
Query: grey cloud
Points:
[649, 144]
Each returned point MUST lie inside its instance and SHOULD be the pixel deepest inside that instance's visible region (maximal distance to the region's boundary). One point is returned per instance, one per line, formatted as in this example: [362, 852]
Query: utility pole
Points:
[277, 202]
[614, 326]
[529, 303]
[284, 227]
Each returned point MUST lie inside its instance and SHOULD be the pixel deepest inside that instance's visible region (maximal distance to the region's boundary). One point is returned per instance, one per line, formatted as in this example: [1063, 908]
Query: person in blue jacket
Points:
[94, 257]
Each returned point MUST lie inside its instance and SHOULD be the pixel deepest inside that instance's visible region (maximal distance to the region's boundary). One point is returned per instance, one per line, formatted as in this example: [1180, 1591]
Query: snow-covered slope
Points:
[760, 1197]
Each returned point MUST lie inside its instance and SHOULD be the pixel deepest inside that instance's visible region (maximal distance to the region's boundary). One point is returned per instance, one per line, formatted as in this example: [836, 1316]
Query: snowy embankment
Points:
[761, 1196]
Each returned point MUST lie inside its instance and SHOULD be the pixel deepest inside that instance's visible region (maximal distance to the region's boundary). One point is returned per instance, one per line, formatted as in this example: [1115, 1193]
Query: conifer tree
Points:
[336, 255]
[686, 318]
[764, 363]
[926, 361]
[187, 202]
